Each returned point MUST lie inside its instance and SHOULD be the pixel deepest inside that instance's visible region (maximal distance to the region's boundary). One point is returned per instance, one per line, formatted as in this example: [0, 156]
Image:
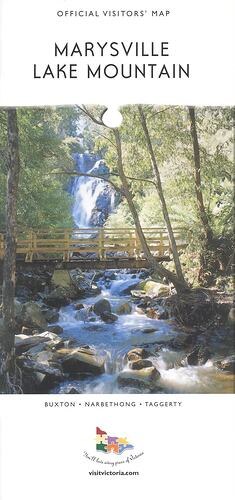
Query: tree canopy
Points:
[47, 137]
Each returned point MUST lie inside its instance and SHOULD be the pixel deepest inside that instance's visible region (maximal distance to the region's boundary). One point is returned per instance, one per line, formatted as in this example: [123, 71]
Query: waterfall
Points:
[86, 195]
[94, 199]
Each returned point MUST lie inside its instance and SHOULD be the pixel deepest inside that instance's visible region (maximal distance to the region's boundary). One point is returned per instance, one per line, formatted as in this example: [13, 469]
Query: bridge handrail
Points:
[101, 241]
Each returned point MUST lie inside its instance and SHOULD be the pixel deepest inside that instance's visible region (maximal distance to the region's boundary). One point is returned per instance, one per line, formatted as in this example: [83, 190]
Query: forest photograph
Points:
[117, 250]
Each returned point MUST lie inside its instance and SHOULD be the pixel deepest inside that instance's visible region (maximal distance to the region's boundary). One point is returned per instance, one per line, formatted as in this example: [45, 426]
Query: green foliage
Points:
[170, 134]
[44, 148]
[121, 217]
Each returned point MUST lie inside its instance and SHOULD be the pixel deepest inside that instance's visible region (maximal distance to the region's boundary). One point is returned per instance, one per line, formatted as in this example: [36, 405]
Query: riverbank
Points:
[113, 332]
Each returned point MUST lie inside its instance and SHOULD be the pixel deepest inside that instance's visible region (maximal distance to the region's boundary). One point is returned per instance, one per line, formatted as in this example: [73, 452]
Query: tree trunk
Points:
[180, 285]
[7, 338]
[197, 176]
[157, 177]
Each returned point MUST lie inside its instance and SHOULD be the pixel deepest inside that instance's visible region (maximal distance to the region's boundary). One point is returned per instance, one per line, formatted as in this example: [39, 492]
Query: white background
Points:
[199, 32]
[188, 451]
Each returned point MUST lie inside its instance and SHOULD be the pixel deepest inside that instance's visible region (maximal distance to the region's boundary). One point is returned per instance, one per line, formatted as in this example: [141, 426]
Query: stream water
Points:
[116, 339]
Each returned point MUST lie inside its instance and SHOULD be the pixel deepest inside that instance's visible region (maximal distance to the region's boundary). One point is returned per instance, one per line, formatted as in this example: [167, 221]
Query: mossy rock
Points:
[153, 288]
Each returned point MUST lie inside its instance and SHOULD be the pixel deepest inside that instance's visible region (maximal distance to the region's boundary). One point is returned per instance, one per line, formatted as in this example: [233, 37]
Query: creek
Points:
[93, 201]
[134, 330]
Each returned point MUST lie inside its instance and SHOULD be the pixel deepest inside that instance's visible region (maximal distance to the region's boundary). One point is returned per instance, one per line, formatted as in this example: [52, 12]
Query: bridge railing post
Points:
[161, 244]
[29, 254]
[34, 243]
[101, 244]
[136, 245]
[66, 254]
[130, 245]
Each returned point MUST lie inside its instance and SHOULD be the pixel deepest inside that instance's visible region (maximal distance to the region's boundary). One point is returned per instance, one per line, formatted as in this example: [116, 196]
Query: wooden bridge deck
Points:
[98, 246]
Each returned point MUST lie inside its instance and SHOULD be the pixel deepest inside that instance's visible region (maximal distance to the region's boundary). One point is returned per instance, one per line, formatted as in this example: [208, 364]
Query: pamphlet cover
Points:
[117, 320]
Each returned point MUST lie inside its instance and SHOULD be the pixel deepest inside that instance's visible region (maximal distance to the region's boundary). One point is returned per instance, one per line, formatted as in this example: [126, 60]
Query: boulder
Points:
[124, 308]
[153, 289]
[44, 356]
[102, 306]
[108, 317]
[51, 347]
[72, 391]
[32, 381]
[82, 360]
[83, 286]
[227, 364]
[149, 330]
[56, 329]
[151, 313]
[140, 363]
[64, 352]
[78, 306]
[68, 388]
[32, 316]
[42, 348]
[58, 297]
[137, 353]
[50, 336]
[44, 368]
[24, 293]
[181, 341]
[61, 278]
[18, 307]
[35, 281]
[127, 287]
[24, 342]
[51, 315]
[40, 367]
[199, 356]
[69, 285]
[145, 377]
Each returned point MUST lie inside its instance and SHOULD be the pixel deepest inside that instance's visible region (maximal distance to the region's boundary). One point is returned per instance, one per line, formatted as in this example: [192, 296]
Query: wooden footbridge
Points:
[93, 247]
